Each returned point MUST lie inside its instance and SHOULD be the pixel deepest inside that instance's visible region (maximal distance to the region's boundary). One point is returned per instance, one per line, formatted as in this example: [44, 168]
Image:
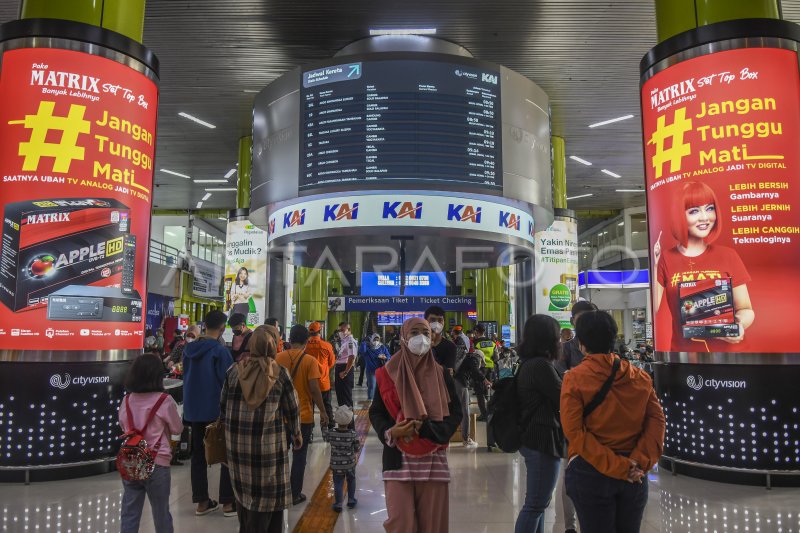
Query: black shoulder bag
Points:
[603, 392]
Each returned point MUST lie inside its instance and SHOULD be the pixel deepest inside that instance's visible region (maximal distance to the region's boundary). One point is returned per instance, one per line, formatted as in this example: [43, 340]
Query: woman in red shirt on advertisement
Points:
[695, 225]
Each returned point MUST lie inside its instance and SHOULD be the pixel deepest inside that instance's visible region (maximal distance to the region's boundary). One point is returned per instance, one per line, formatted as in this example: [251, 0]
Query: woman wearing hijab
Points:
[415, 412]
[375, 356]
[258, 405]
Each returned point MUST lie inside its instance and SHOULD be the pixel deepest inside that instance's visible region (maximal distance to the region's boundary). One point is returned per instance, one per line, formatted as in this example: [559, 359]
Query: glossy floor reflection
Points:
[485, 496]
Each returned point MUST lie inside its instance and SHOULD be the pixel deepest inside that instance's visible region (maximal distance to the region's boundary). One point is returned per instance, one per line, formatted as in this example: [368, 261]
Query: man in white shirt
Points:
[346, 358]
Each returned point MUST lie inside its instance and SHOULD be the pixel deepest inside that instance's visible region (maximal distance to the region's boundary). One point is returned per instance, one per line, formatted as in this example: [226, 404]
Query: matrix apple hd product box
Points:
[51, 243]
[94, 304]
[707, 308]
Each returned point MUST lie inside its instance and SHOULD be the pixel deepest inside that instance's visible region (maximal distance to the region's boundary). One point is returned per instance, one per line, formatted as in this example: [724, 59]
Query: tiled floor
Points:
[485, 497]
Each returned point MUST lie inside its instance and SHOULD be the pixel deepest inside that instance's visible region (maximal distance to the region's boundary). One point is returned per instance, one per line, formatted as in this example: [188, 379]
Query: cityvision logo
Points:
[294, 218]
[509, 220]
[402, 210]
[699, 383]
[341, 212]
[58, 382]
[464, 213]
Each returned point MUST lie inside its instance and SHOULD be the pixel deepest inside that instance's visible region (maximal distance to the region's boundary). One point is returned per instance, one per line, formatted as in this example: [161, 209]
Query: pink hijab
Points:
[418, 379]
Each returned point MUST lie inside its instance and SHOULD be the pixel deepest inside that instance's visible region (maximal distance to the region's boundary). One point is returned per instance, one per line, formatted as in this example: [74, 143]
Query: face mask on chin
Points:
[436, 327]
[419, 344]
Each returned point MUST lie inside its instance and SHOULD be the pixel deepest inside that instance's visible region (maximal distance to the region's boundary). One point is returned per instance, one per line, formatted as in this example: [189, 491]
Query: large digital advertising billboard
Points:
[722, 156]
[245, 288]
[76, 164]
[556, 263]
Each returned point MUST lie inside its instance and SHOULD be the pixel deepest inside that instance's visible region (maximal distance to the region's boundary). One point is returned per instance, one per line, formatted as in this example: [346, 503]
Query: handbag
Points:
[214, 443]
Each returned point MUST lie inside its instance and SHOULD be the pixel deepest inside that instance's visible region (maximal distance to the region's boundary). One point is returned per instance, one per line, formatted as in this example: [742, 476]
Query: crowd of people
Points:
[589, 423]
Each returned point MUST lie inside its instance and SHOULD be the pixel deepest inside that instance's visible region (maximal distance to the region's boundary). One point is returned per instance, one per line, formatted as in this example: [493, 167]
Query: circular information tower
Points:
[401, 138]
[721, 127]
[78, 127]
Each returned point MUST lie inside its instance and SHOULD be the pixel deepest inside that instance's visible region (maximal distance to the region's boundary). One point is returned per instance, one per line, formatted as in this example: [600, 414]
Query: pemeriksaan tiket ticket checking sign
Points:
[722, 150]
[76, 170]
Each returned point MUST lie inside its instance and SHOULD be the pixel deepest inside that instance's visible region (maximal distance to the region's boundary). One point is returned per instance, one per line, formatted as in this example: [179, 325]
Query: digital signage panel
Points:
[417, 284]
[401, 122]
[77, 179]
[722, 158]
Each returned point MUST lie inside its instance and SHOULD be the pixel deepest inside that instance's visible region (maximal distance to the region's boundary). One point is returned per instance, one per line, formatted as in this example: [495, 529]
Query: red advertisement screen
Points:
[76, 182]
[722, 162]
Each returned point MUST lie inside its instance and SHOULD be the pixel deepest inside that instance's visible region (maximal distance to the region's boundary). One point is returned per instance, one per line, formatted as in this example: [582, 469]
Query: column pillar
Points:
[677, 16]
[243, 173]
[122, 16]
[491, 292]
[311, 294]
[559, 172]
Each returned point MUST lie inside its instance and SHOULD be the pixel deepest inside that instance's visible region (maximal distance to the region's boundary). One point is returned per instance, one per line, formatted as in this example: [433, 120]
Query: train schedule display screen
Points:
[401, 122]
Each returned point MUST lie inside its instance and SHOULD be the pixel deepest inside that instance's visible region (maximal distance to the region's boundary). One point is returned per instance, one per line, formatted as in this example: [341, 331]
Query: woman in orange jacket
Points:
[617, 440]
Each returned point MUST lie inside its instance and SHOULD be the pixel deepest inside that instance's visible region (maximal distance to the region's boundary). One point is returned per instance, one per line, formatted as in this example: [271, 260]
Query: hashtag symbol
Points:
[675, 279]
[41, 124]
[678, 150]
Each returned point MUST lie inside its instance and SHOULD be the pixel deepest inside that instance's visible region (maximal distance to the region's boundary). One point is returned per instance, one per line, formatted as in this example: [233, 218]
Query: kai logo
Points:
[402, 210]
[489, 78]
[341, 212]
[509, 220]
[464, 213]
[271, 228]
[295, 218]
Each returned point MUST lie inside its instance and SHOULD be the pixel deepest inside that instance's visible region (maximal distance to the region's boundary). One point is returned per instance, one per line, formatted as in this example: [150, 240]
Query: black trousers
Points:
[344, 387]
[200, 470]
[256, 522]
[299, 458]
[327, 400]
[362, 365]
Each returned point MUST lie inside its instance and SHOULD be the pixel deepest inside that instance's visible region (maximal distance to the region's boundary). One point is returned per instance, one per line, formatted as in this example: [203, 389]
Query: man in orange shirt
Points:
[614, 439]
[323, 352]
[304, 371]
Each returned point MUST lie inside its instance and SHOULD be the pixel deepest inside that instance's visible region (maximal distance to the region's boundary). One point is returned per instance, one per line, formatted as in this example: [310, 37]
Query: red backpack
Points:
[135, 460]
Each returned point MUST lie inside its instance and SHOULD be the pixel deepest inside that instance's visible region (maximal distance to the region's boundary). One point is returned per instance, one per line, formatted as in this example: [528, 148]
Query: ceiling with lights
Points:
[215, 56]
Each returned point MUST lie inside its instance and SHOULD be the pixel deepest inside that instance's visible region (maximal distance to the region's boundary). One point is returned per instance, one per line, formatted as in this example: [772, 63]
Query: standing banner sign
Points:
[246, 271]
[76, 164]
[557, 270]
[722, 157]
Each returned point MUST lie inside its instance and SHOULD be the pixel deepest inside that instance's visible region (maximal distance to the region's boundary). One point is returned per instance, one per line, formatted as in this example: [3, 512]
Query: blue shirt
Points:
[205, 362]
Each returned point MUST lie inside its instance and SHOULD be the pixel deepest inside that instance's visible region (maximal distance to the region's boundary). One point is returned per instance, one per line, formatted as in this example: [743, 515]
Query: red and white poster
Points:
[722, 158]
[76, 171]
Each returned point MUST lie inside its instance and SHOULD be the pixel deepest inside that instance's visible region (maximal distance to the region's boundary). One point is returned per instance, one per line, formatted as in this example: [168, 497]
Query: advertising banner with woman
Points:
[722, 158]
[76, 164]
[245, 271]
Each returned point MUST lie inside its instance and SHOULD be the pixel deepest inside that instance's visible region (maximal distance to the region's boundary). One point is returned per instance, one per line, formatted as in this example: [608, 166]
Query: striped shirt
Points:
[344, 446]
[428, 468]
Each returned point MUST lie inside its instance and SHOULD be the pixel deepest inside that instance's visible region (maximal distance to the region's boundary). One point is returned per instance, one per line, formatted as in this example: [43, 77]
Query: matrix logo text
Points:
[698, 383]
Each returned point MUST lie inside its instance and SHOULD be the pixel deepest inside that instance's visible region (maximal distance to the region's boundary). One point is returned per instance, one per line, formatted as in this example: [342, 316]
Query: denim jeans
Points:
[199, 472]
[157, 491]
[338, 482]
[299, 458]
[371, 381]
[542, 475]
[604, 504]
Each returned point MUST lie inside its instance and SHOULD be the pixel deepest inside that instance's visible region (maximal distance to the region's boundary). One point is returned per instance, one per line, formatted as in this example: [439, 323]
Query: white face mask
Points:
[436, 327]
[375, 344]
[419, 344]
[190, 339]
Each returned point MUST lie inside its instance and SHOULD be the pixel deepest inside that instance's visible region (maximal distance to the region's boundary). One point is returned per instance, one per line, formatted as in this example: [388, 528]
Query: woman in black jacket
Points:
[539, 393]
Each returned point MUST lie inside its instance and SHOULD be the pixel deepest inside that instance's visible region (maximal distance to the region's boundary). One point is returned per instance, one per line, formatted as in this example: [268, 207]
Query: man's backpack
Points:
[136, 461]
[505, 414]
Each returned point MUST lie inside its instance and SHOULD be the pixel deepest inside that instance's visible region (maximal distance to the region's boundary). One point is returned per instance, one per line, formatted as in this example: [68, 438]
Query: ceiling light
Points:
[404, 31]
[252, 91]
[222, 218]
[207, 196]
[224, 189]
[211, 181]
[165, 171]
[631, 190]
[195, 119]
[199, 205]
[581, 161]
[620, 224]
[230, 173]
[618, 119]
[609, 173]
[580, 196]
[634, 232]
